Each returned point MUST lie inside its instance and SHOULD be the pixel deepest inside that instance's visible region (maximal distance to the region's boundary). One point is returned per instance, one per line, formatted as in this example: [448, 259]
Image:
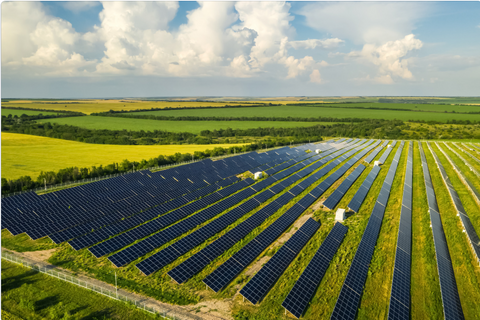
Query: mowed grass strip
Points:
[335, 111]
[28, 294]
[29, 155]
[426, 299]
[467, 273]
[115, 123]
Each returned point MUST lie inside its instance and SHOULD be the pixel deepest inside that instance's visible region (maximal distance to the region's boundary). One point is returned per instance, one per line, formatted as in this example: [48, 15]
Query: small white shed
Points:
[376, 163]
[258, 175]
[340, 215]
[318, 151]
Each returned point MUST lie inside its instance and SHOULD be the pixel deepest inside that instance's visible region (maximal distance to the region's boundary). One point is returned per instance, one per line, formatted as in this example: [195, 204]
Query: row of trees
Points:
[75, 173]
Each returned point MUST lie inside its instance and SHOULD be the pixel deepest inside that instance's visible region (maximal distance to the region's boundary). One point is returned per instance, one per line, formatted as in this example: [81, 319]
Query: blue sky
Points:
[134, 49]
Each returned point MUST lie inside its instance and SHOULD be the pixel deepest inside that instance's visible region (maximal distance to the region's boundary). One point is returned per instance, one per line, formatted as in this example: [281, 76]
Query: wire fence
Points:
[166, 314]
[68, 184]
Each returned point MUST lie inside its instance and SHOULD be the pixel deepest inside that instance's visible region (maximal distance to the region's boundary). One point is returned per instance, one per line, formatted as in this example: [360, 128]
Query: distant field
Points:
[91, 106]
[29, 155]
[111, 123]
[348, 111]
[6, 112]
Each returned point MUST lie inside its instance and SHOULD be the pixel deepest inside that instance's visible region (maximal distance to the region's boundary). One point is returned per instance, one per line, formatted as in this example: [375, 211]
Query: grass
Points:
[23, 243]
[113, 123]
[336, 111]
[6, 112]
[28, 294]
[29, 155]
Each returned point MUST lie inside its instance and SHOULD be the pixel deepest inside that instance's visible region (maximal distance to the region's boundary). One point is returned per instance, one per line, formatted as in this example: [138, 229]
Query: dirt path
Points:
[205, 310]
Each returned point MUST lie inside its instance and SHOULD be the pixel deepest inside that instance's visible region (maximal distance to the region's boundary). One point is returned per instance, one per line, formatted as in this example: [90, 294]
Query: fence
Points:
[171, 315]
[152, 169]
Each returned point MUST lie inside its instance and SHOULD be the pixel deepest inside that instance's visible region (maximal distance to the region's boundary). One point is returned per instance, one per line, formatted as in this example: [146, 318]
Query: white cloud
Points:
[365, 22]
[313, 43]
[388, 57]
[315, 76]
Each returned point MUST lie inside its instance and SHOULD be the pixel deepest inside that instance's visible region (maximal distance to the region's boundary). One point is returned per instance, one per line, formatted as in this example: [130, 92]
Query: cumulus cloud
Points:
[365, 22]
[79, 6]
[314, 43]
[388, 57]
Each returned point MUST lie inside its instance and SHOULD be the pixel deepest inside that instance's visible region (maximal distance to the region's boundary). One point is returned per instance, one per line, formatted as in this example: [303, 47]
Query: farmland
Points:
[29, 155]
[336, 111]
[426, 301]
[90, 106]
[112, 123]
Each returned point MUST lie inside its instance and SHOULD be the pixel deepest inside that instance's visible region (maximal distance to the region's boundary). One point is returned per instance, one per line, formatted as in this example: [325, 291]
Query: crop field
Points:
[91, 106]
[350, 110]
[29, 155]
[426, 298]
[6, 112]
[113, 123]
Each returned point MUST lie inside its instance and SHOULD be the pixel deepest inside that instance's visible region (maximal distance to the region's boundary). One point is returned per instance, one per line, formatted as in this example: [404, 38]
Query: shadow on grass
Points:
[46, 302]
[15, 282]
[99, 315]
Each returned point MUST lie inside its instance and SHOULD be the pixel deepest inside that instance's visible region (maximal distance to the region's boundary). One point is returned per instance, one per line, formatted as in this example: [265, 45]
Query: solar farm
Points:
[406, 247]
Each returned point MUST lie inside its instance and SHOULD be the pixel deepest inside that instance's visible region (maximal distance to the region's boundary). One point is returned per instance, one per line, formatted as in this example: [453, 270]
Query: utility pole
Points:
[45, 181]
[116, 288]
[133, 167]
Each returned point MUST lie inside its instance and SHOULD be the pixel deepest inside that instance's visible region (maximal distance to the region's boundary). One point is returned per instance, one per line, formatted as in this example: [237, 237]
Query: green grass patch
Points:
[23, 243]
[28, 294]
[112, 123]
[18, 112]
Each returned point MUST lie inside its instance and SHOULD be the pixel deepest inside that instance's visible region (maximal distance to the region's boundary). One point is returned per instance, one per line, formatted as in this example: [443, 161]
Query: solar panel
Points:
[299, 297]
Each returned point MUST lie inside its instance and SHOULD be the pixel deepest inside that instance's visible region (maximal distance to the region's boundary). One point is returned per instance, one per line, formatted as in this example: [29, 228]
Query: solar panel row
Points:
[332, 201]
[464, 160]
[400, 297]
[302, 292]
[349, 299]
[230, 269]
[468, 153]
[261, 283]
[468, 227]
[362, 192]
[452, 309]
[374, 153]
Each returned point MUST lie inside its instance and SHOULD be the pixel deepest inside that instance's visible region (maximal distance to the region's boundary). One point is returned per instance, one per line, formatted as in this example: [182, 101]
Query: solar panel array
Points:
[400, 298]
[109, 201]
[302, 292]
[362, 192]
[219, 278]
[461, 212]
[385, 155]
[468, 153]
[475, 146]
[465, 180]
[201, 259]
[332, 201]
[349, 299]
[170, 253]
[464, 160]
[263, 281]
[374, 153]
[158, 239]
[452, 309]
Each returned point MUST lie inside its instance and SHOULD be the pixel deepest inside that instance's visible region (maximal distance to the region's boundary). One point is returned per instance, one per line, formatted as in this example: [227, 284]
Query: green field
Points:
[29, 155]
[426, 300]
[28, 294]
[334, 111]
[112, 123]
[6, 112]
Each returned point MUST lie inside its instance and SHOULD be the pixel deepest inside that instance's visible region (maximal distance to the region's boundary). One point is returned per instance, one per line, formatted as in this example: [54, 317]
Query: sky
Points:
[167, 49]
